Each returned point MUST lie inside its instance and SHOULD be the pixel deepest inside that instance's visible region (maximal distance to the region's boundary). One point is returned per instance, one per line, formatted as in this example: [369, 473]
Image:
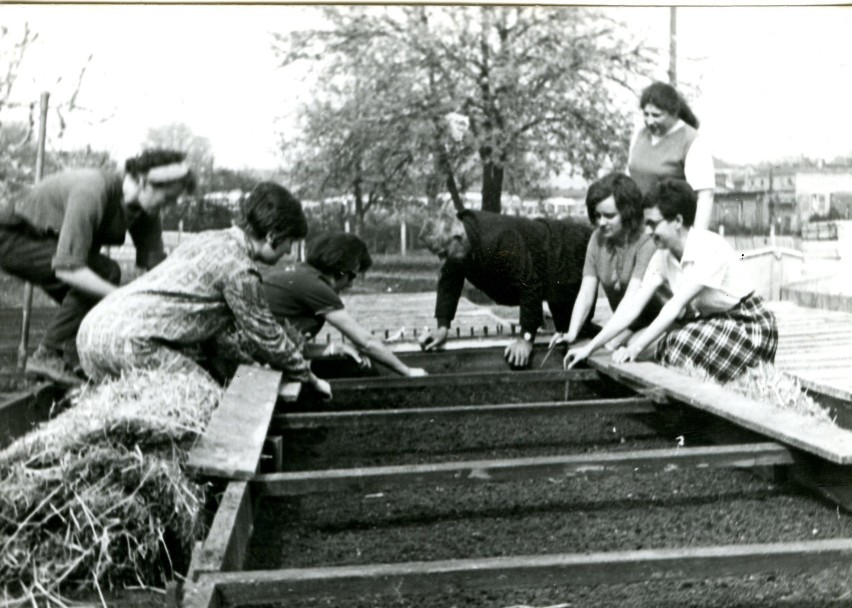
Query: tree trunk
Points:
[492, 186]
[359, 206]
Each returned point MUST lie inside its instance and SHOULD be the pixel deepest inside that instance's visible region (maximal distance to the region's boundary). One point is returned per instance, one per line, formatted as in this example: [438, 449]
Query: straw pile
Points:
[96, 498]
[765, 382]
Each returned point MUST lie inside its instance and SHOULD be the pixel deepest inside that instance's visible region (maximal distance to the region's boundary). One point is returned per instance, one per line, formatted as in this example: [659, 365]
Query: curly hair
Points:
[666, 97]
[138, 166]
[673, 197]
[628, 200]
[336, 253]
[270, 209]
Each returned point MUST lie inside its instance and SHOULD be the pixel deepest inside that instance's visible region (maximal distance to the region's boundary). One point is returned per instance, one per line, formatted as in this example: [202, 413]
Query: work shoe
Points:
[49, 364]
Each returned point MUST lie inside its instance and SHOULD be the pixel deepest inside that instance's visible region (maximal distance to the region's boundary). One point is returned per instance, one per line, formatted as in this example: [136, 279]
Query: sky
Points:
[766, 82]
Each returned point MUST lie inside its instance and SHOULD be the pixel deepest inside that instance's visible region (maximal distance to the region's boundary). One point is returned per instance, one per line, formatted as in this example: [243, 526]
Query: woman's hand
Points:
[560, 338]
[575, 355]
[321, 386]
[626, 354]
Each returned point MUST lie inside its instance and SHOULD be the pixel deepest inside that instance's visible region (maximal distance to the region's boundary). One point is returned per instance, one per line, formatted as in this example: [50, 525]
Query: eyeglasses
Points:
[652, 224]
[348, 275]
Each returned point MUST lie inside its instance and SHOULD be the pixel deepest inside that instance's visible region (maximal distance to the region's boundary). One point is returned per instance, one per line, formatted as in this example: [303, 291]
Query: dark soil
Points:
[585, 513]
[477, 391]
[595, 512]
[486, 437]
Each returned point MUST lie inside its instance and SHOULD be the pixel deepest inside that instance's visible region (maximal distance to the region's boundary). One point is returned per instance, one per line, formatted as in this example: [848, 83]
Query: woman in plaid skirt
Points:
[713, 320]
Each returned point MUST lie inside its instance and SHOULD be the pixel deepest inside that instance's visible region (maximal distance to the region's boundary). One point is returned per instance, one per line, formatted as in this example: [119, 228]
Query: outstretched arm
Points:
[244, 295]
[668, 315]
[627, 312]
[369, 344]
[86, 280]
[582, 306]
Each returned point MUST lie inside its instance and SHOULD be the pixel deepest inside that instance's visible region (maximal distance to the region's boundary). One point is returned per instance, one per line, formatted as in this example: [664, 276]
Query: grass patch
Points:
[97, 499]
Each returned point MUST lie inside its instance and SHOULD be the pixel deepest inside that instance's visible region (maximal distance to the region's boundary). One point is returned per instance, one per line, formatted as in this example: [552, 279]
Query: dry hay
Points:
[96, 498]
[766, 383]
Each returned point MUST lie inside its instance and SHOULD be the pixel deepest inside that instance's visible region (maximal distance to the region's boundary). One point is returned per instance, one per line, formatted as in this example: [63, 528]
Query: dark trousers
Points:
[28, 256]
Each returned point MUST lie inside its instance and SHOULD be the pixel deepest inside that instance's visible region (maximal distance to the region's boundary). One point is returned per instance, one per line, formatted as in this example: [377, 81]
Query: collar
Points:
[689, 247]
[679, 124]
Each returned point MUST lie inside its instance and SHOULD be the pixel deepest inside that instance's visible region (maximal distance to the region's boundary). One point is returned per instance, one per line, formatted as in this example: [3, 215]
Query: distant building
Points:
[752, 198]
[231, 199]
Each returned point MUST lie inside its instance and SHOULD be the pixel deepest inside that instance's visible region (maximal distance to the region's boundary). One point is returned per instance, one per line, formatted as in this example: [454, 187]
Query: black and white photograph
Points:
[425, 305]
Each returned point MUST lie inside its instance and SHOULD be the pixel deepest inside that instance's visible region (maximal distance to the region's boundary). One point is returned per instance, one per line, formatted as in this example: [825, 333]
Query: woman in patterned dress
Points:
[208, 287]
[713, 321]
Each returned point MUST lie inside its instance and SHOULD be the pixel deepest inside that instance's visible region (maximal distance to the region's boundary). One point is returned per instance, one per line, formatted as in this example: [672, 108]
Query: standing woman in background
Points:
[669, 146]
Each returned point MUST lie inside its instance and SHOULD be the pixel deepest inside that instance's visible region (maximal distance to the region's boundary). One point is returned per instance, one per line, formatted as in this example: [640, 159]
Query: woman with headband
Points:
[53, 238]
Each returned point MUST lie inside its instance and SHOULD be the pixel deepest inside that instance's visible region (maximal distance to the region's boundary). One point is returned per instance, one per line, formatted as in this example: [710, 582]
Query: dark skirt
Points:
[723, 344]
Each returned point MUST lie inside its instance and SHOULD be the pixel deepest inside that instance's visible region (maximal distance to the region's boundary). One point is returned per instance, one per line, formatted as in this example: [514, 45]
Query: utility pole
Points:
[673, 46]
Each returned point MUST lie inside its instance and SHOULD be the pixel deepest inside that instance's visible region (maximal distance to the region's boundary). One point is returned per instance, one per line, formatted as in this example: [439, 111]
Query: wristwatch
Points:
[528, 336]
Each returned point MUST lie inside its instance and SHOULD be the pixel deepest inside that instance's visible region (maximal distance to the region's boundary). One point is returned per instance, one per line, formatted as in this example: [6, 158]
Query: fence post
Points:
[402, 237]
[28, 287]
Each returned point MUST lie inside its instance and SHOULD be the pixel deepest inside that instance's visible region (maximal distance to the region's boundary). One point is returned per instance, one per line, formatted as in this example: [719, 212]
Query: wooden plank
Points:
[289, 391]
[530, 571]
[375, 479]
[273, 453]
[485, 356]
[299, 420]
[224, 549]
[233, 441]
[465, 379]
[201, 594]
[804, 432]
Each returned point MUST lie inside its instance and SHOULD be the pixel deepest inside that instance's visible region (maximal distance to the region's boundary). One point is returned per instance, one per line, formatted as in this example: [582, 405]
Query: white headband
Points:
[168, 173]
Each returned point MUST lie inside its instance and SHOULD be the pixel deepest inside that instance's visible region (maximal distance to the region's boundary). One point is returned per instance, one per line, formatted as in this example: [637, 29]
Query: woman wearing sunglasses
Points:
[308, 295]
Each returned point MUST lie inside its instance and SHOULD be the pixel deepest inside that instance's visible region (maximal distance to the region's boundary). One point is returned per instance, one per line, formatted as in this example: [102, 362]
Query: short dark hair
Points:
[336, 253]
[628, 199]
[138, 166]
[673, 197]
[270, 209]
[667, 98]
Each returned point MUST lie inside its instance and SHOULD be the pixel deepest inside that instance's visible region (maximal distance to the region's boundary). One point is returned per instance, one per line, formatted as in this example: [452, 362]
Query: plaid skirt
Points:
[723, 344]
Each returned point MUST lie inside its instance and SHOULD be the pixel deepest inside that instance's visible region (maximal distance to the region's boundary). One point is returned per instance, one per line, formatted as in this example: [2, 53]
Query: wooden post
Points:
[23, 347]
[402, 237]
